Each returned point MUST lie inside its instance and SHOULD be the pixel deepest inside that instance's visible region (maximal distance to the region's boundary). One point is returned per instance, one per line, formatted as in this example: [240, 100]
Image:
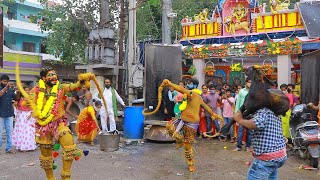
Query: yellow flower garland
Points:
[45, 115]
[184, 103]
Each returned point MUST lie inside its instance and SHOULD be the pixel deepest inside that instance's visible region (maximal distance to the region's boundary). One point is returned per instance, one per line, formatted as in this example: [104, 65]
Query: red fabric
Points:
[213, 128]
[22, 107]
[87, 126]
[202, 123]
[244, 135]
[272, 155]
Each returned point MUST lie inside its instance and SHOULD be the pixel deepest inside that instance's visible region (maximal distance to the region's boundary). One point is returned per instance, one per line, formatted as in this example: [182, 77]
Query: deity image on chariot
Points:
[237, 20]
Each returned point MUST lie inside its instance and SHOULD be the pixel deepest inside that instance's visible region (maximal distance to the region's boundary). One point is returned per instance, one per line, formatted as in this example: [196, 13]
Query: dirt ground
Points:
[147, 161]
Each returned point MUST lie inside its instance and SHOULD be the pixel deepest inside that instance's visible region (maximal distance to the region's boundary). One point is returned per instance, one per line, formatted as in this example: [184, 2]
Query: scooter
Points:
[305, 134]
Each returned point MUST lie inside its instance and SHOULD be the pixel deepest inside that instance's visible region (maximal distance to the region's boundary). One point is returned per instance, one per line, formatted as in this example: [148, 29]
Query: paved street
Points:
[149, 161]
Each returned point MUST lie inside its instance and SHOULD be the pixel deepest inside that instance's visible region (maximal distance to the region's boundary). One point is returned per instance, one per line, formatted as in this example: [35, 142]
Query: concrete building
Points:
[23, 40]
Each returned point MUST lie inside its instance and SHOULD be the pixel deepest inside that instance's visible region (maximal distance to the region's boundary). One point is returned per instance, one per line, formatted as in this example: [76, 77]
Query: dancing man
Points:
[47, 102]
[189, 121]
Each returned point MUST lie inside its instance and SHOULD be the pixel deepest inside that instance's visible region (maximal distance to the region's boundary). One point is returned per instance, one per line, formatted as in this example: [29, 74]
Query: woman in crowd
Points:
[24, 129]
[87, 125]
[203, 123]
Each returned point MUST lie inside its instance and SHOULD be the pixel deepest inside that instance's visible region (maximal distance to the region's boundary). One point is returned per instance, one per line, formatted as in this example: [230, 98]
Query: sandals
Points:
[11, 151]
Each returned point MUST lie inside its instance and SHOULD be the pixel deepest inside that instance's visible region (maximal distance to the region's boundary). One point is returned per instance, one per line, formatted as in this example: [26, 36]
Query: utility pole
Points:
[104, 13]
[120, 45]
[166, 21]
[131, 47]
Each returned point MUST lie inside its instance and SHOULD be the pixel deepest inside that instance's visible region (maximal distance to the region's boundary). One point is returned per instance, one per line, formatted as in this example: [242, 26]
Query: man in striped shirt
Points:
[269, 150]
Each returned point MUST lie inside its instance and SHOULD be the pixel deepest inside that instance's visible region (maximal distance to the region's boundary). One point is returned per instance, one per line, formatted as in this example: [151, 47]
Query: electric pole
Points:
[166, 21]
[120, 45]
[104, 13]
[131, 47]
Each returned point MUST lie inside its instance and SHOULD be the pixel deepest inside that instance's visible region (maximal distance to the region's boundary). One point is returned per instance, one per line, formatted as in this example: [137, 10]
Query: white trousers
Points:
[112, 122]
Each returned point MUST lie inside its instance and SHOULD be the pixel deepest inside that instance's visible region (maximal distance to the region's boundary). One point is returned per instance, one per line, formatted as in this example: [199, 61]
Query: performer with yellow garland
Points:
[47, 103]
[189, 120]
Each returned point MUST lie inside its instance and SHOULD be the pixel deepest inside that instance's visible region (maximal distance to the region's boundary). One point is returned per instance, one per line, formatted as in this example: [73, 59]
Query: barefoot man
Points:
[183, 129]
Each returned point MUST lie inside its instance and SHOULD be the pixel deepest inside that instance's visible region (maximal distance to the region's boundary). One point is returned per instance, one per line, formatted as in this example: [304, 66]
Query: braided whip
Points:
[160, 89]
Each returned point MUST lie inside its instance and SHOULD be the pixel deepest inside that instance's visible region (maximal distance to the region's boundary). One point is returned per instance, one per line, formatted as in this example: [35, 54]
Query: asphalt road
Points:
[149, 161]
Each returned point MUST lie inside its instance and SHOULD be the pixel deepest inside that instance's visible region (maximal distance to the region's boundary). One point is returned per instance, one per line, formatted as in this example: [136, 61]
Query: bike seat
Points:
[308, 124]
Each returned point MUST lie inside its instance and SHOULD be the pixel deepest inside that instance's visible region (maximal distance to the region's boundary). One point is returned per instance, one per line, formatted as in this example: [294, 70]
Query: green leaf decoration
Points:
[192, 70]
[54, 166]
[56, 147]
[78, 154]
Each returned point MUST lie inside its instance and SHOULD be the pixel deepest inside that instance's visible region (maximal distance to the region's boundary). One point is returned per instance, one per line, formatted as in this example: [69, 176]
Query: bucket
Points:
[133, 122]
[109, 142]
[73, 127]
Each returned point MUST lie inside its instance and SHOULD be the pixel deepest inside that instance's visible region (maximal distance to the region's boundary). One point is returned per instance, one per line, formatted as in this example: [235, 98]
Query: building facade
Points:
[239, 34]
[23, 40]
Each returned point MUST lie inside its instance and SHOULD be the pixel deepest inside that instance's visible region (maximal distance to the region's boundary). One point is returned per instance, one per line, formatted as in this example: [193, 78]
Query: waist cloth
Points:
[51, 129]
[179, 123]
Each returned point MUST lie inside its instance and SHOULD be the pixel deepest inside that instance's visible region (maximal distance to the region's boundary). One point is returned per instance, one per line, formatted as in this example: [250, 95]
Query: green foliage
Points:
[189, 8]
[68, 40]
[149, 20]
[149, 16]
[67, 29]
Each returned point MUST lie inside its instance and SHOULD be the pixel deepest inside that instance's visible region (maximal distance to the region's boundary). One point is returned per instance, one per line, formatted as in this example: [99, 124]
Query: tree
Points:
[150, 12]
[68, 28]
[148, 23]
[69, 25]
[189, 8]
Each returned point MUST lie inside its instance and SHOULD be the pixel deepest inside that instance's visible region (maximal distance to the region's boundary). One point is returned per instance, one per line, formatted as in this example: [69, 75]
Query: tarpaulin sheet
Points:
[310, 78]
[310, 13]
[161, 62]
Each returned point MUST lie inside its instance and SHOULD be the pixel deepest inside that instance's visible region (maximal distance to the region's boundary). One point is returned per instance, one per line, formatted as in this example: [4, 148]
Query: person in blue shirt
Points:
[7, 94]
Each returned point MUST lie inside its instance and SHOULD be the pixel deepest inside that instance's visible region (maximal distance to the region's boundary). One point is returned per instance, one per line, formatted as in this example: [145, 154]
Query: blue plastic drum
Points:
[133, 122]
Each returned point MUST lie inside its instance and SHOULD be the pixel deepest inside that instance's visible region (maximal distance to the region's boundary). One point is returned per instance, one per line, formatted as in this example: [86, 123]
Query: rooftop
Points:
[44, 56]
[31, 3]
[22, 27]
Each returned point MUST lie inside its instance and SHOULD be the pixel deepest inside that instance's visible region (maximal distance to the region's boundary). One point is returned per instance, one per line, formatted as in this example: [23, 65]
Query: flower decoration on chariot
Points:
[237, 67]
[202, 16]
[277, 5]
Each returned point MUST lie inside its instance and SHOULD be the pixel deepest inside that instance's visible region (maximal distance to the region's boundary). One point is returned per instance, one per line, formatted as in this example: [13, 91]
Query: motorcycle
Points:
[305, 134]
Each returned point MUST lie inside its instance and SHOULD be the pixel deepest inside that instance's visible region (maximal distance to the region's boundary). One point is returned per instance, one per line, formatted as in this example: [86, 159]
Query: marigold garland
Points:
[209, 70]
[267, 69]
[44, 112]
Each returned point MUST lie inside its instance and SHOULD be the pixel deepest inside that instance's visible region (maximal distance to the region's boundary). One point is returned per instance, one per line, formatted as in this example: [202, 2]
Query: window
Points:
[43, 48]
[29, 47]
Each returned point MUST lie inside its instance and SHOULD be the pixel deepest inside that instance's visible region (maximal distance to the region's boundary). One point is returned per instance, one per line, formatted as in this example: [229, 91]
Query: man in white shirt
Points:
[112, 97]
